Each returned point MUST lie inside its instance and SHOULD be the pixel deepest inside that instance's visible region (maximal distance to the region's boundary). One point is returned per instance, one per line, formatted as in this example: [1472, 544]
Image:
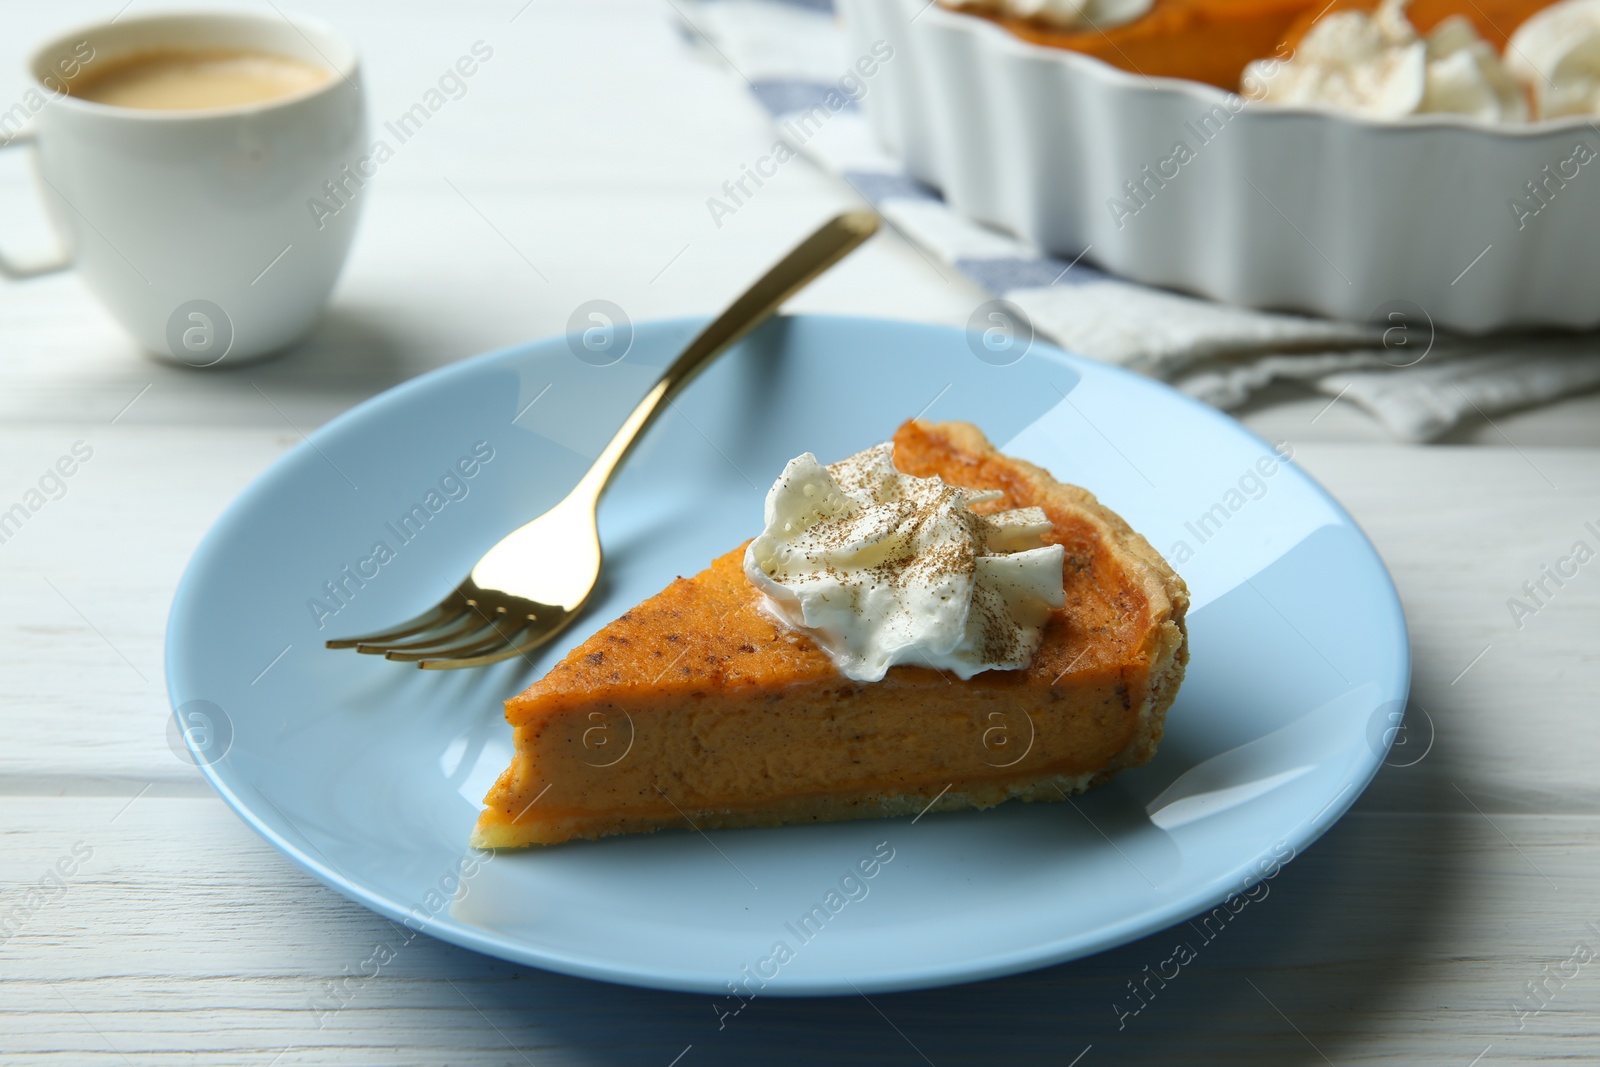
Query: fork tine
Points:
[470, 620]
[500, 632]
[528, 643]
[486, 631]
[545, 624]
[428, 619]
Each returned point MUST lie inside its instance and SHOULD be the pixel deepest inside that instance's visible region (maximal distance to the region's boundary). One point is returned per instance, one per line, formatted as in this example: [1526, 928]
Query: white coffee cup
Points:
[196, 228]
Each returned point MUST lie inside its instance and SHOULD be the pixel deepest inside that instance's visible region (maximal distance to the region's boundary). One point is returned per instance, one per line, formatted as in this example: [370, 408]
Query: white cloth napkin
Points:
[1419, 384]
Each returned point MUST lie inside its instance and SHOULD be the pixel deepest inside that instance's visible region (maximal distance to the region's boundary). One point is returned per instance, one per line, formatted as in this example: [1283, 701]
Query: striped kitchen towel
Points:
[792, 55]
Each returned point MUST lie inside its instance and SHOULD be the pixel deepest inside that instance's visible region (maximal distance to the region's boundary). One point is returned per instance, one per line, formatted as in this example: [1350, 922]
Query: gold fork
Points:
[528, 587]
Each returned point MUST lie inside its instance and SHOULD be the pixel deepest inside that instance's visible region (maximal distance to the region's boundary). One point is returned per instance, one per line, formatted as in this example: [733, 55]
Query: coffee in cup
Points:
[190, 80]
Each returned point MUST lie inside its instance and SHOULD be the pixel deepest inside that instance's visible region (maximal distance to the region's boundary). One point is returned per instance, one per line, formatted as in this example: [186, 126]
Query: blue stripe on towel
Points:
[1004, 275]
[878, 186]
[786, 96]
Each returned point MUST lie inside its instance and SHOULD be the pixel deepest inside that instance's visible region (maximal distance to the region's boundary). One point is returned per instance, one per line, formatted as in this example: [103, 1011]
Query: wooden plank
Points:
[1396, 939]
[87, 688]
[65, 362]
[84, 589]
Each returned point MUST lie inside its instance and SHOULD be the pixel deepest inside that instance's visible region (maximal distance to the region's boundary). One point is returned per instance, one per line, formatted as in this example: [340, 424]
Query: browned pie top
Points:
[708, 632]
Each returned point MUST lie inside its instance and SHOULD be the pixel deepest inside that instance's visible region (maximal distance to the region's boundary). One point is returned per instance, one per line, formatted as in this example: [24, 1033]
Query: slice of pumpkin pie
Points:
[926, 626]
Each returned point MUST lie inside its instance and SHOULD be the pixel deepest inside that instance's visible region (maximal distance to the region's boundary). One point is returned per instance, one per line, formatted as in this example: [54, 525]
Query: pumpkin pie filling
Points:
[1202, 40]
[699, 708]
[1213, 41]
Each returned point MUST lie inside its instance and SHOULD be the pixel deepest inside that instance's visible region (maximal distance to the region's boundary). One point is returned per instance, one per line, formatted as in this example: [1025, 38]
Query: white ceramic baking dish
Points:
[1178, 184]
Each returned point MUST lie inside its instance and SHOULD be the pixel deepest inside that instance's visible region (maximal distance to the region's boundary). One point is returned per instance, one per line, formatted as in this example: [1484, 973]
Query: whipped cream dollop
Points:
[1061, 14]
[1556, 54]
[1377, 65]
[880, 568]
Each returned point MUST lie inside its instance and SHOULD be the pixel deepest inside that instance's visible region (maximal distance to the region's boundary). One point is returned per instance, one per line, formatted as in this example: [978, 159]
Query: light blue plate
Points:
[368, 774]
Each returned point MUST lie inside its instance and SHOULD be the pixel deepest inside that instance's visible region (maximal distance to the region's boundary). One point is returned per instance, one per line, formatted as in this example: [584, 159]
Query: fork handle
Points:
[832, 242]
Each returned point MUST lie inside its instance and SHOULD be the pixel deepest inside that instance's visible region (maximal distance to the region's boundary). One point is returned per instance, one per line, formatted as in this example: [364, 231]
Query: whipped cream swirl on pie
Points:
[880, 567]
[1379, 66]
[1061, 14]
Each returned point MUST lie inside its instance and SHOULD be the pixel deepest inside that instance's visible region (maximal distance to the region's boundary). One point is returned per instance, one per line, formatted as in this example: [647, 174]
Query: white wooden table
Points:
[1415, 932]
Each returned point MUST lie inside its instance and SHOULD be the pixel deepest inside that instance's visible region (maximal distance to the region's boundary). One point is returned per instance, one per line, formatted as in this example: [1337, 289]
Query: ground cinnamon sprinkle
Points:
[862, 537]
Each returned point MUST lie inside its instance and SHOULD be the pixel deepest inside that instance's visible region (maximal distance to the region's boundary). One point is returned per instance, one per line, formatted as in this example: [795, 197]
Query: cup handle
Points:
[8, 267]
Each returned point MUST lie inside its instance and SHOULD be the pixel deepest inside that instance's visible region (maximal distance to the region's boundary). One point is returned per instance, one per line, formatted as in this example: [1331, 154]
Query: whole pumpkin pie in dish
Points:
[929, 625]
